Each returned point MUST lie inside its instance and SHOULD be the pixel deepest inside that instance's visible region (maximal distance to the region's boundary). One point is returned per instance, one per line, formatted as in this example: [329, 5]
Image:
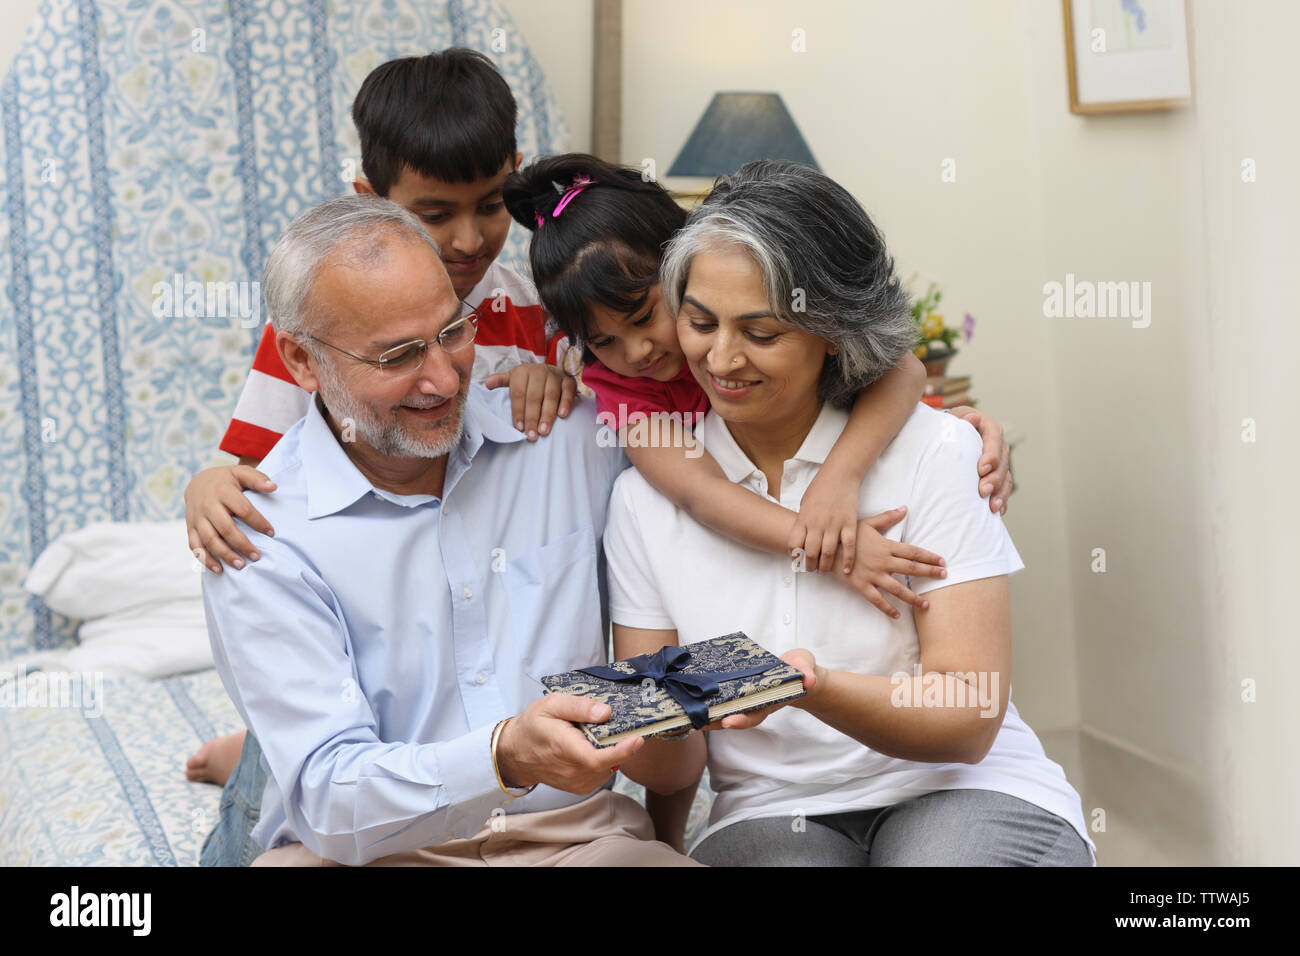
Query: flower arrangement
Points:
[935, 338]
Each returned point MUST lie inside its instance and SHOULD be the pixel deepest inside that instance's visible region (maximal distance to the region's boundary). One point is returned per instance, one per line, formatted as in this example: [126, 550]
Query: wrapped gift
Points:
[680, 687]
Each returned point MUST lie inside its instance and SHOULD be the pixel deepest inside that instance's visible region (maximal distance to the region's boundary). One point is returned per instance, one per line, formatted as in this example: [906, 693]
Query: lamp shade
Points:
[737, 128]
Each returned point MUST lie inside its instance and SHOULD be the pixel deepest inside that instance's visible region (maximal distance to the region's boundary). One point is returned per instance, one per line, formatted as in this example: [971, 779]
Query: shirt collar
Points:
[735, 464]
[334, 482]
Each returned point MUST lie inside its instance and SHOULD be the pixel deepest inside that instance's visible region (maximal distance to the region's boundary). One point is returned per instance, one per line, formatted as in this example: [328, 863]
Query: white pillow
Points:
[136, 590]
[111, 566]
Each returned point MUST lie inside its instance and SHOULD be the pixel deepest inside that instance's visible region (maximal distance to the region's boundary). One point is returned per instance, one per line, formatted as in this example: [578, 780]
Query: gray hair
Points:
[356, 226]
[816, 248]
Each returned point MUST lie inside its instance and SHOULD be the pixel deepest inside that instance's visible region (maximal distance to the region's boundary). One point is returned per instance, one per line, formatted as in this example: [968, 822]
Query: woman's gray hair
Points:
[824, 264]
[356, 226]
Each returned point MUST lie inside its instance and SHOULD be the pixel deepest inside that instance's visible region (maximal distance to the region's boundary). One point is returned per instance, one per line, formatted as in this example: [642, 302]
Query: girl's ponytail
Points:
[537, 188]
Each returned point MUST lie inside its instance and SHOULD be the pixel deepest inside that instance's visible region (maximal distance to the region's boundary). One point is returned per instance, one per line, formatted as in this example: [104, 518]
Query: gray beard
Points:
[388, 437]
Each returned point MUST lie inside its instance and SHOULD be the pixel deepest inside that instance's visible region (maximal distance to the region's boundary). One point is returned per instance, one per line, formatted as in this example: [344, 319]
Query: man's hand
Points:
[541, 745]
[995, 462]
[538, 393]
[211, 498]
[799, 658]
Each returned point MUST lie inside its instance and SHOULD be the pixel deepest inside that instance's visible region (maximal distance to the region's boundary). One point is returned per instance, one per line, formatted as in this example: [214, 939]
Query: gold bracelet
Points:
[496, 769]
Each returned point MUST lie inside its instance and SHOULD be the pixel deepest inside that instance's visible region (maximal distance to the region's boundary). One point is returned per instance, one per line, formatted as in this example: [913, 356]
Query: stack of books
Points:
[947, 391]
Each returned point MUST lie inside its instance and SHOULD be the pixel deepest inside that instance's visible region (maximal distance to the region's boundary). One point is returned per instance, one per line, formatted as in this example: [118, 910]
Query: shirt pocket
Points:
[554, 599]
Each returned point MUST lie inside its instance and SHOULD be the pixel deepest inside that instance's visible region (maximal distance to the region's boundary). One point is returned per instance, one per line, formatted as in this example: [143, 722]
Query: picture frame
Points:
[1127, 56]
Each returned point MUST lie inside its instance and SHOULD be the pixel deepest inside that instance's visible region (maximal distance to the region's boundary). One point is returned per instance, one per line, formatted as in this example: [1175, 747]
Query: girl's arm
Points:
[683, 471]
[686, 474]
[828, 514]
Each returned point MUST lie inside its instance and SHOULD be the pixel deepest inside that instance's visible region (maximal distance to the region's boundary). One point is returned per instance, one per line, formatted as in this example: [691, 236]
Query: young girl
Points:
[598, 233]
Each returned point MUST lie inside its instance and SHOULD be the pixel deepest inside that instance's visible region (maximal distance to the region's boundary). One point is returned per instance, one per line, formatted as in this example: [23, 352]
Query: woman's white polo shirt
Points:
[668, 572]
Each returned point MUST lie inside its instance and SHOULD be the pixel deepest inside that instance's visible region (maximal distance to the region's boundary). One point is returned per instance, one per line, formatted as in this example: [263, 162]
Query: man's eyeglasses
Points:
[409, 356]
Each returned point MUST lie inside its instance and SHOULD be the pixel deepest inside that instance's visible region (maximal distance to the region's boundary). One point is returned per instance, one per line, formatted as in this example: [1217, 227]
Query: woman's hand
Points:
[880, 559]
[995, 462]
[211, 497]
[538, 392]
[827, 523]
[802, 660]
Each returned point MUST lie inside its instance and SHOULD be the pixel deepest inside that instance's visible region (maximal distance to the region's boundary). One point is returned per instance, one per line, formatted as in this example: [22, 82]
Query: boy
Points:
[438, 137]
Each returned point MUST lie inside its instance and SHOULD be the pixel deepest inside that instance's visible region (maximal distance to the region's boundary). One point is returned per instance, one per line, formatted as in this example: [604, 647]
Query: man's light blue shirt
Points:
[380, 637]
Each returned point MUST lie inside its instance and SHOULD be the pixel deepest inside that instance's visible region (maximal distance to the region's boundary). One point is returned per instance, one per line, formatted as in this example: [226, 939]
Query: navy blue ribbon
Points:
[665, 668]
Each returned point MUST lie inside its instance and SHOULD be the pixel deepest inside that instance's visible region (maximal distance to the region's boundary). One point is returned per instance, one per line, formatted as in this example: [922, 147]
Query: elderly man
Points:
[428, 566]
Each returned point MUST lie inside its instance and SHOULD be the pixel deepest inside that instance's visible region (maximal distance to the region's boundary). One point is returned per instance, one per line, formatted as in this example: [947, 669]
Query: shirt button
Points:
[469, 593]
[446, 509]
[786, 619]
[378, 495]
[786, 579]
[481, 678]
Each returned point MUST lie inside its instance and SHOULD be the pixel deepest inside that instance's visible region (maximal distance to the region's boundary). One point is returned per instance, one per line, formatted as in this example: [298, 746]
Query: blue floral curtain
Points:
[150, 139]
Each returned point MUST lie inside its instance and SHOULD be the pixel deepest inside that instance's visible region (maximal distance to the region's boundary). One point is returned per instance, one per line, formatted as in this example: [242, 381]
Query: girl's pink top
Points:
[680, 394]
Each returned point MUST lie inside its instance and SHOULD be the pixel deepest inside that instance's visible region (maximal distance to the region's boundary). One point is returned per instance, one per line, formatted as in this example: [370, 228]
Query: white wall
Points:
[1134, 435]
[559, 33]
[1192, 517]
[884, 93]
[1243, 348]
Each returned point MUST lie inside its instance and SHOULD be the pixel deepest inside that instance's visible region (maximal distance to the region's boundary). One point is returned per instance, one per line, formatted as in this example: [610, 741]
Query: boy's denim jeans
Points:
[230, 843]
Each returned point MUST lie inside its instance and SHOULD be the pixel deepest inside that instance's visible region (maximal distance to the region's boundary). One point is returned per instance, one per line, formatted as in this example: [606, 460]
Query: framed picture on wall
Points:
[1127, 55]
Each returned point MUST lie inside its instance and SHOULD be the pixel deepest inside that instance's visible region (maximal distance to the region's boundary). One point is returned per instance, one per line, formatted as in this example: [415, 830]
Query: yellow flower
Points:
[195, 71]
[135, 84]
[932, 327]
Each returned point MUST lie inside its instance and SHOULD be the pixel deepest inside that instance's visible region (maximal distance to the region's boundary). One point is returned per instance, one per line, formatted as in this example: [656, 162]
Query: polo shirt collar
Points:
[736, 465]
[334, 482]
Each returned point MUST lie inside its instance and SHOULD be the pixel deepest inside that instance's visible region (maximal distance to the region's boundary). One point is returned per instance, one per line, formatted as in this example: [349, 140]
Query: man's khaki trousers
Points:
[606, 829]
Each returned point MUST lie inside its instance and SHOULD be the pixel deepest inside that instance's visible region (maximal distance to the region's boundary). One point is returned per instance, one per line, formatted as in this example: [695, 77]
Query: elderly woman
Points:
[906, 749]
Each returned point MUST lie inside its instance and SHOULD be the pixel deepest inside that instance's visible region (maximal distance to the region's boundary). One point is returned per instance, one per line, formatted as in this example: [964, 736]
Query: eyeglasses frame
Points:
[381, 363]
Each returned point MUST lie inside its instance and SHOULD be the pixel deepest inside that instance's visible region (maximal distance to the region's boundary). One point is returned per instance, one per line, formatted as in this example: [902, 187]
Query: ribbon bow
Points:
[666, 668]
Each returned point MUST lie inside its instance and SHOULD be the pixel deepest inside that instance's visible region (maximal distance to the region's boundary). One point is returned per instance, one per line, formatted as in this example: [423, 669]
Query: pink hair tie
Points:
[579, 184]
